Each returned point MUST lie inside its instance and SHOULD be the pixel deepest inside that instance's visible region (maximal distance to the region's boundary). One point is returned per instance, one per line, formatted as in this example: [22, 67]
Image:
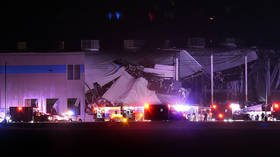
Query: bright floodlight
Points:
[234, 107]
[181, 108]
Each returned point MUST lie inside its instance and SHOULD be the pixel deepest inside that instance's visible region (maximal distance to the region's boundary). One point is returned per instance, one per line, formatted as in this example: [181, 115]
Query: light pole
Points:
[5, 109]
[267, 88]
[246, 79]
[212, 80]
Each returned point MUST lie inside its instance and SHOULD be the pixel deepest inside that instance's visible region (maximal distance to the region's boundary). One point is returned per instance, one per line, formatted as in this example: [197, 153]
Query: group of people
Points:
[262, 117]
[197, 117]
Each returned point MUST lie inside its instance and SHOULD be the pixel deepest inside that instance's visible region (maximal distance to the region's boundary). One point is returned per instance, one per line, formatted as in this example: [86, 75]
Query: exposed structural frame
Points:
[246, 79]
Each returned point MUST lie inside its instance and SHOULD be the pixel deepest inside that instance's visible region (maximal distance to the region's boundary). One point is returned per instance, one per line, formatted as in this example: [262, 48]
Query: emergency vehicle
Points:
[221, 112]
[275, 110]
[156, 111]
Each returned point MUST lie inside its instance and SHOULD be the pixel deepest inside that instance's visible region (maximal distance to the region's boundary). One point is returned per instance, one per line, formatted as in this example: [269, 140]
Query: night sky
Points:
[256, 22]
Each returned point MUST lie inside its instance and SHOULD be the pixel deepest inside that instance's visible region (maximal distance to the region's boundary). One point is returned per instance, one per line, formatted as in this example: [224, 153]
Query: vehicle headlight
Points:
[49, 118]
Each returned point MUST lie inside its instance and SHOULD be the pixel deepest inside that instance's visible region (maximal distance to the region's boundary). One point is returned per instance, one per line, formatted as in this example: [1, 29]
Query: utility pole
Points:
[177, 68]
[246, 80]
[267, 84]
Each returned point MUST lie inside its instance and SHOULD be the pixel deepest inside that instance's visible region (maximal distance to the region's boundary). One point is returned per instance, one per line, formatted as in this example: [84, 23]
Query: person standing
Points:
[263, 116]
[205, 116]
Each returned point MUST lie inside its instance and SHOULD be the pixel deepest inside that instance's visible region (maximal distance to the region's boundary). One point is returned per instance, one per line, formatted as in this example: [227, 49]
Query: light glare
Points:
[181, 108]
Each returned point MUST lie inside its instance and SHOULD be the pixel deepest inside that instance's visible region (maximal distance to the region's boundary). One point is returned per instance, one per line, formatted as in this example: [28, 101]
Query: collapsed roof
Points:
[102, 68]
[131, 91]
[106, 67]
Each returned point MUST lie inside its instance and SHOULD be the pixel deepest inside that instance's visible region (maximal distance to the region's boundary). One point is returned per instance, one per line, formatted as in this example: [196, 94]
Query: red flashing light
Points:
[19, 109]
[276, 106]
[214, 106]
[221, 116]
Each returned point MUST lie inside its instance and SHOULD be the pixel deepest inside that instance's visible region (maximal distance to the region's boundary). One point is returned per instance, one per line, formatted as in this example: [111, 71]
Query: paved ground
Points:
[171, 138]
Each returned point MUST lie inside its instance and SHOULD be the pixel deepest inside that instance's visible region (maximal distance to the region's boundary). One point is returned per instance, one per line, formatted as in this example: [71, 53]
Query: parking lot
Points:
[169, 138]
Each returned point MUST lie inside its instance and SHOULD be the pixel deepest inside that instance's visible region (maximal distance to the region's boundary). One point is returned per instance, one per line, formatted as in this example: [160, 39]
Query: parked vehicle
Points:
[68, 116]
[156, 112]
[42, 117]
[21, 114]
[221, 112]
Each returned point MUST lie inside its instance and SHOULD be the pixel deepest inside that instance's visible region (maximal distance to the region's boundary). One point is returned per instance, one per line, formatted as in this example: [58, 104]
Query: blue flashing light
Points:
[118, 15]
[110, 16]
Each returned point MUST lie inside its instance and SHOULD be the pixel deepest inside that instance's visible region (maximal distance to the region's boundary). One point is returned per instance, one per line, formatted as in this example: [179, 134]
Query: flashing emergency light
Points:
[221, 116]
[19, 109]
[214, 106]
[146, 106]
[118, 15]
[110, 16]
[276, 106]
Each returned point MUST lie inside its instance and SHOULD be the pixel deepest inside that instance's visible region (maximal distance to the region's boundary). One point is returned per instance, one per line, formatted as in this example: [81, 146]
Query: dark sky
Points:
[255, 21]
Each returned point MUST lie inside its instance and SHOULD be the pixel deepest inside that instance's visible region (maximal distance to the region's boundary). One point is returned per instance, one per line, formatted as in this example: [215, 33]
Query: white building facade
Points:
[47, 81]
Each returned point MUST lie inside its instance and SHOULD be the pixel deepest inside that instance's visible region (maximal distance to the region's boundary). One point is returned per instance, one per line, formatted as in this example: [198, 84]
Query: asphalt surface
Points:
[172, 138]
